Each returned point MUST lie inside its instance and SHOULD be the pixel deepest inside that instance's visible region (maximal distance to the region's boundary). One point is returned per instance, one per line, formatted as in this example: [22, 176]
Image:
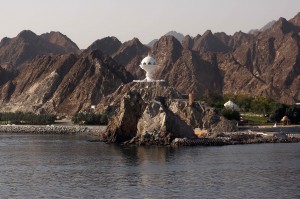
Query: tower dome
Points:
[148, 61]
[148, 64]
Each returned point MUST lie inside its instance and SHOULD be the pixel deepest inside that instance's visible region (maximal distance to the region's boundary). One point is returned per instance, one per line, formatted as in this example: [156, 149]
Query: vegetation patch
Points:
[26, 118]
[90, 119]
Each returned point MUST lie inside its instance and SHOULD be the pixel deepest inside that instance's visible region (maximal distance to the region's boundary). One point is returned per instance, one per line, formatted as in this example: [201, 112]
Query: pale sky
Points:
[85, 21]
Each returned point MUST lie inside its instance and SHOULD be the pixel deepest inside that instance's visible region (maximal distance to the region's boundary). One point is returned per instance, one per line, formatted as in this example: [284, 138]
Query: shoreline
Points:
[246, 135]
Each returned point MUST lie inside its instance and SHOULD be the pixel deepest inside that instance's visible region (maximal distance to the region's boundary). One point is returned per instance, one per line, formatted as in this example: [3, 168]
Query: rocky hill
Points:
[63, 83]
[26, 45]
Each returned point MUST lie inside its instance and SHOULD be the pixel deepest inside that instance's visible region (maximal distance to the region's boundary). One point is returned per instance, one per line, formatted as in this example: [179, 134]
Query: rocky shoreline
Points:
[232, 138]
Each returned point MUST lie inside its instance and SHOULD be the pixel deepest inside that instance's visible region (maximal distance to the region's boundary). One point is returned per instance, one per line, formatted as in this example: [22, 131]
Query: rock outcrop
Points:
[123, 127]
[145, 116]
[140, 122]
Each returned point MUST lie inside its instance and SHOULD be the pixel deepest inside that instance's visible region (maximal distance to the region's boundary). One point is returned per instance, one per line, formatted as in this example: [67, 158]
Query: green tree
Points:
[231, 114]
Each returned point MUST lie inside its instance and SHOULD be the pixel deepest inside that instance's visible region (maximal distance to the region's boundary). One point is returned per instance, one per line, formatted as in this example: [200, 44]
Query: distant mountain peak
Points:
[283, 25]
[57, 38]
[177, 35]
[265, 27]
[296, 20]
[109, 45]
[207, 33]
[27, 34]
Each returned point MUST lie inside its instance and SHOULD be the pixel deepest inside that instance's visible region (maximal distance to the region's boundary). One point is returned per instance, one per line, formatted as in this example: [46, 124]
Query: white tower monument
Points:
[149, 65]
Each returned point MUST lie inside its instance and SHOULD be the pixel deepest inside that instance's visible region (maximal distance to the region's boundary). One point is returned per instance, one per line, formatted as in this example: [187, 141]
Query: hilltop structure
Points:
[149, 65]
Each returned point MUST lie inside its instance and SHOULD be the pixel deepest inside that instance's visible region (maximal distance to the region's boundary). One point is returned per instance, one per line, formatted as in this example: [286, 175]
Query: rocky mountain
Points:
[26, 45]
[130, 54]
[61, 40]
[265, 64]
[187, 42]
[52, 79]
[265, 27]
[209, 42]
[177, 35]
[184, 69]
[296, 20]
[109, 45]
[268, 65]
[65, 83]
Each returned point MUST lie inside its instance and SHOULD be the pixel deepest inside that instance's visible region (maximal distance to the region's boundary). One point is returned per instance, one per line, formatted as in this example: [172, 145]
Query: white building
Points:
[231, 105]
[149, 65]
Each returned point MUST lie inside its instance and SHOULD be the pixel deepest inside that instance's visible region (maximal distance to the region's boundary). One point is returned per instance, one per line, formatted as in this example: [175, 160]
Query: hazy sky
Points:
[84, 21]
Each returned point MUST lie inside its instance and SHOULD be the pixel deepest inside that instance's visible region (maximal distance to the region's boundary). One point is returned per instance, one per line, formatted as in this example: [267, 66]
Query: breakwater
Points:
[43, 129]
[230, 141]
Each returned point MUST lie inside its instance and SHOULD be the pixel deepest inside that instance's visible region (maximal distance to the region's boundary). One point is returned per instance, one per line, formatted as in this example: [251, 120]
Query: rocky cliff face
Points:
[27, 45]
[268, 65]
[63, 83]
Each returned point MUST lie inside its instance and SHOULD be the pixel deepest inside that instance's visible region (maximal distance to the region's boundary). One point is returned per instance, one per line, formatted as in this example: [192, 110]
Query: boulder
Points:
[123, 126]
[159, 126]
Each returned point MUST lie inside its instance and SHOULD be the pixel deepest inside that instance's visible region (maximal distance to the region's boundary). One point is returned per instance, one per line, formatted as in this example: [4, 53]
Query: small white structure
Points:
[231, 105]
[149, 65]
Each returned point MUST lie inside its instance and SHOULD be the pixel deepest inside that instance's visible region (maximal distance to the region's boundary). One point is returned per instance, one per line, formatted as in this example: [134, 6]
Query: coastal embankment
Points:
[51, 129]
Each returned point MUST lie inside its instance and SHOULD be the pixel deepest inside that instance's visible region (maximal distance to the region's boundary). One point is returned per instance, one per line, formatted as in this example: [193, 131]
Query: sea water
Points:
[45, 166]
